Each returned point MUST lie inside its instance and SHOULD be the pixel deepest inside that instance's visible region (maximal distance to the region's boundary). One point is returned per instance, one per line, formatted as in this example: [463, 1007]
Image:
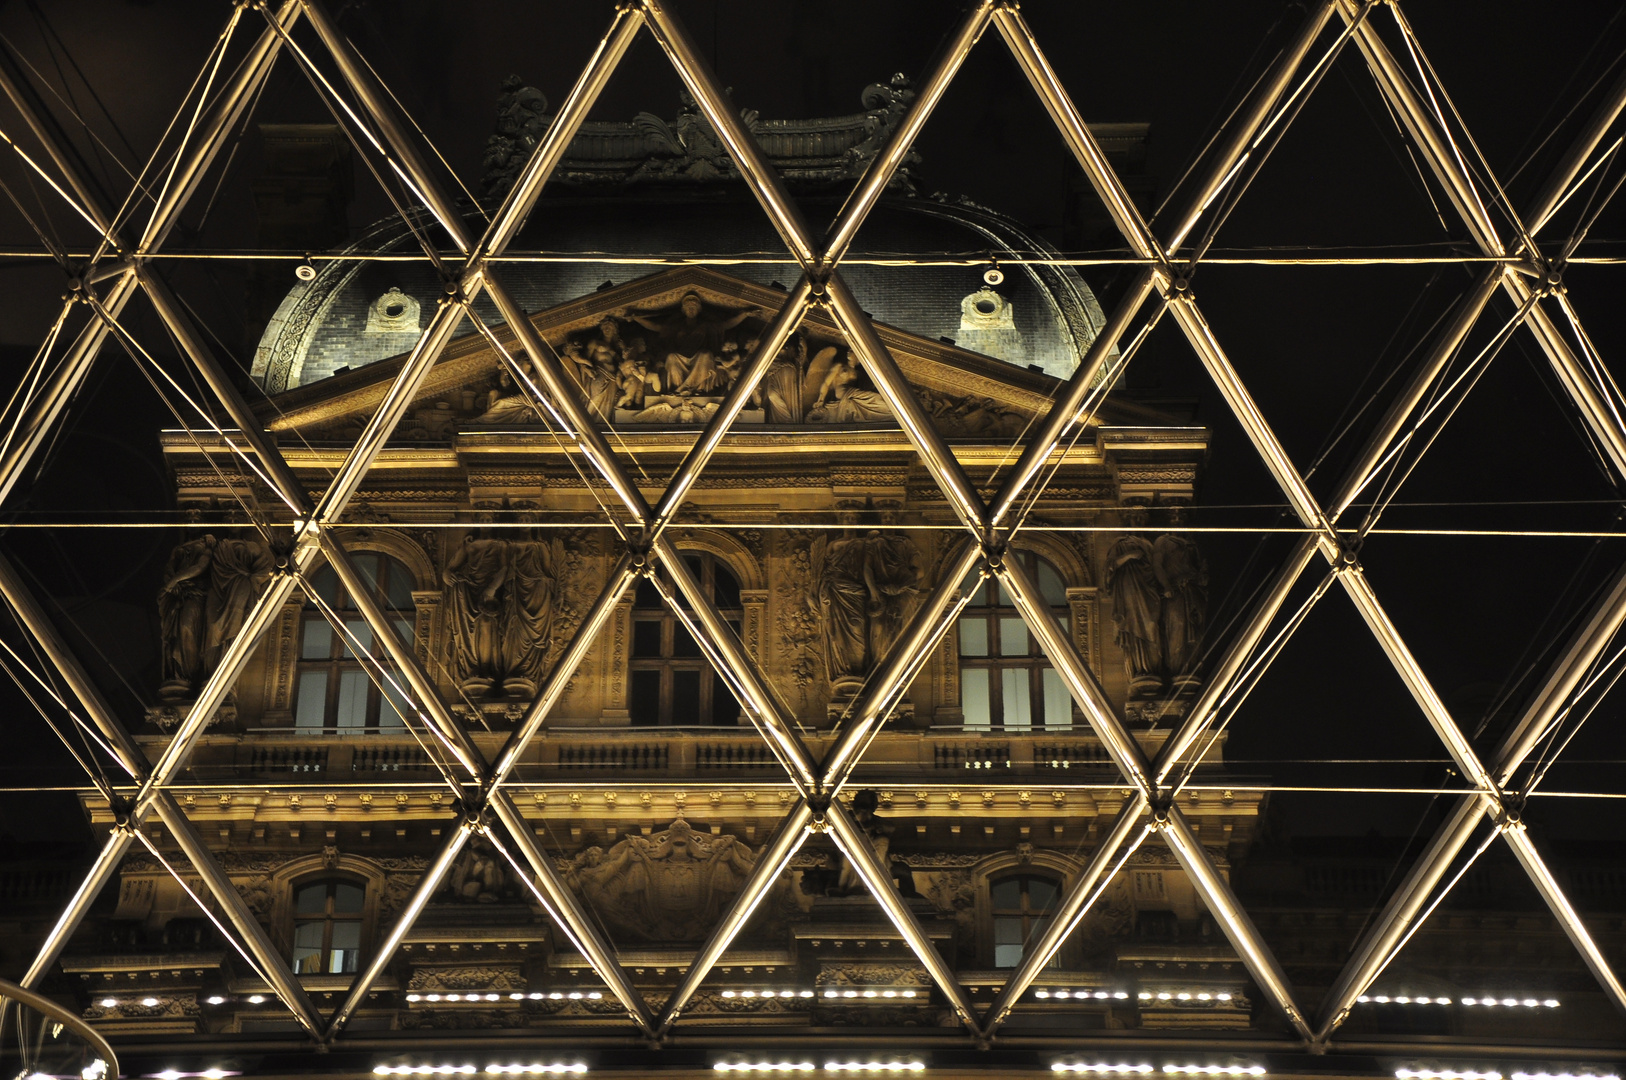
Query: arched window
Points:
[1021, 906]
[672, 682]
[1005, 680]
[327, 926]
[334, 692]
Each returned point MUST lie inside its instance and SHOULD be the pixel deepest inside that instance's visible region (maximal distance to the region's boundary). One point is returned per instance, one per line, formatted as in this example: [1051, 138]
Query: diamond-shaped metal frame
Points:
[1531, 278]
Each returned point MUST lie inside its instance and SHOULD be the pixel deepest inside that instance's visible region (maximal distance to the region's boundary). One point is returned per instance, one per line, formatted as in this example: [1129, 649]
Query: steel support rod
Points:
[1545, 204]
[878, 879]
[101, 871]
[1569, 919]
[433, 875]
[1128, 832]
[773, 861]
[1243, 935]
[569, 914]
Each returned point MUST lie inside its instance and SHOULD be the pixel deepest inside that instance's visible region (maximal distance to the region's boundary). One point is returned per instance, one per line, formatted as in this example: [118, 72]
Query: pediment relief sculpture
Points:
[672, 886]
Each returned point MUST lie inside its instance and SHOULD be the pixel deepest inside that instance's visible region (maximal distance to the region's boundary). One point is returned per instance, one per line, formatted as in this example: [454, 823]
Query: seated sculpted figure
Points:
[852, 405]
[689, 344]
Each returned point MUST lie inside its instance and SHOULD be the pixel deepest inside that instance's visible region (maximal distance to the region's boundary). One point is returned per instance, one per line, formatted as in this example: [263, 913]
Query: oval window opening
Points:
[987, 307]
[395, 311]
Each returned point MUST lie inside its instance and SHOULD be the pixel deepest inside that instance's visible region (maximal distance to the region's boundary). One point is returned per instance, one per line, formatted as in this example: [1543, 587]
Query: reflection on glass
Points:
[352, 710]
[1013, 637]
[973, 637]
[1058, 703]
[1016, 698]
[974, 697]
[312, 700]
[318, 642]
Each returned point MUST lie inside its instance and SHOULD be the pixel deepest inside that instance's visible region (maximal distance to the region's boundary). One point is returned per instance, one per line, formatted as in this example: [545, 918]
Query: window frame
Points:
[327, 919]
[340, 661]
[667, 663]
[992, 617]
[1033, 920]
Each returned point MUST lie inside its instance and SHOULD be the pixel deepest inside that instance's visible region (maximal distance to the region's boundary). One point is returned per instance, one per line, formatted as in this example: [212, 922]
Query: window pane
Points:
[1017, 698]
[326, 585]
[1041, 894]
[1051, 586]
[312, 700]
[392, 709]
[1008, 932]
[367, 563]
[683, 644]
[308, 948]
[318, 640]
[646, 638]
[1004, 597]
[725, 590]
[644, 700]
[1058, 703]
[974, 696]
[400, 597]
[404, 630]
[1006, 894]
[352, 711]
[724, 709]
[358, 635]
[973, 636]
[1007, 956]
[1013, 637]
[346, 948]
[648, 597]
[979, 597]
[346, 900]
[685, 697]
[311, 900]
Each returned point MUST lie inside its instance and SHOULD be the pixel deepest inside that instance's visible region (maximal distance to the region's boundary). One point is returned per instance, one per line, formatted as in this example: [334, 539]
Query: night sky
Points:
[1313, 344]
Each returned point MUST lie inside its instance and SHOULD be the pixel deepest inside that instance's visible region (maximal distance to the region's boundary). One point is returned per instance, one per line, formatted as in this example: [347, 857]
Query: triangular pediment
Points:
[660, 367]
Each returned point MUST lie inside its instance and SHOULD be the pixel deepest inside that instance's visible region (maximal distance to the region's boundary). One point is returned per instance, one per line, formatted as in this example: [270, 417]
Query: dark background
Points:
[1312, 343]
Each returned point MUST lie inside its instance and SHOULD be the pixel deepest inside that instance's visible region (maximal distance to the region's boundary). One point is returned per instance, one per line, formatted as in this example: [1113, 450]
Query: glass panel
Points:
[1041, 894]
[308, 948]
[1007, 956]
[352, 711]
[358, 636]
[404, 630]
[647, 598]
[724, 709]
[979, 598]
[400, 596]
[346, 948]
[392, 708]
[346, 900]
[312, 701]
[1051, 586]
[367, 563]
[1058, 703]
[644, 700]
[685, 697]
[725, 590]
[1013, 637]
[646, 637]
[1004, 597]
[1006, 894]
[311, 900]
[1008, 931]
[318, 640]
[973, 636]
[326, 585]
[974, 697]
[1017, 698]
[683, 644]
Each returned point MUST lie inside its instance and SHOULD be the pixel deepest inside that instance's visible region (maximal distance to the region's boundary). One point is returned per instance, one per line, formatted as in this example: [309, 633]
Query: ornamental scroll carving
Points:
[668, 887]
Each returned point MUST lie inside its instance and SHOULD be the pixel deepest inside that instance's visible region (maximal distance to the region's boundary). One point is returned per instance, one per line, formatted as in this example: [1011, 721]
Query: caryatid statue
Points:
[474, 578]
[863, 588]
[1137, 608]
[182, 619]
[535, 567]
[1182, 573]
[237, 575]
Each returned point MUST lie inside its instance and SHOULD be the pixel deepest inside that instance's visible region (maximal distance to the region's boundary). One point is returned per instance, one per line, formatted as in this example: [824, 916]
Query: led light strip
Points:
[1447, 1074]
[1081, 995]
[1182, 995]
[764, 1066]
[554, 1068]
[875, 1066]
[1506, 1002]
[1099, 1068]
[873, 993]
[765, 994]
[150, 1002]
[535, 995]
[1219, 1070]
[1564, 1076]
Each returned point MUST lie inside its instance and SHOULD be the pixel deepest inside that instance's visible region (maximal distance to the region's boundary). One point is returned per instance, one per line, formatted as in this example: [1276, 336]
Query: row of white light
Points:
[153, 1003]
[828, 992]
[749, 995]
[874, 993]
[890, 1066]
[1101, 1068]
[1081, 995]
[535, 995]
[1564, 1076]
[553, 1068]
[1492, 1074]
[206, 1074]
[1182, 995]
[1506, 1002]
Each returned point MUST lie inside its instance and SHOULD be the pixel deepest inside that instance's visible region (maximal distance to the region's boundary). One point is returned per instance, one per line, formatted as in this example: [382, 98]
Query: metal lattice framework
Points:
[1521, 268]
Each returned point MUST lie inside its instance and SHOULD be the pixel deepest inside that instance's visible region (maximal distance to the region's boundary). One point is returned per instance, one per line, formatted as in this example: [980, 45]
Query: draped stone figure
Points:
[1137, 603]
[688, 345]
[474, 578]
[183, 623]
[1182, 572]
[237, 575]
[532, 592]
[850, 404]
[862, 590]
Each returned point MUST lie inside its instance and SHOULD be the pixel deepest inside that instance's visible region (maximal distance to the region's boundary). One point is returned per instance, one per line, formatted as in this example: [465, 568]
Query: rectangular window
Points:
[1013, 637]
[1017, 698]
[392, 710]
[311, 704]
[1058, 703]
[346, 948]
[1007, 942]
[686, 697]
[646, 638]
[974, 697]
[973, 637]
[358, 635]
[318, 640]
[308, 948]
[352, 710]
[644, 701]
